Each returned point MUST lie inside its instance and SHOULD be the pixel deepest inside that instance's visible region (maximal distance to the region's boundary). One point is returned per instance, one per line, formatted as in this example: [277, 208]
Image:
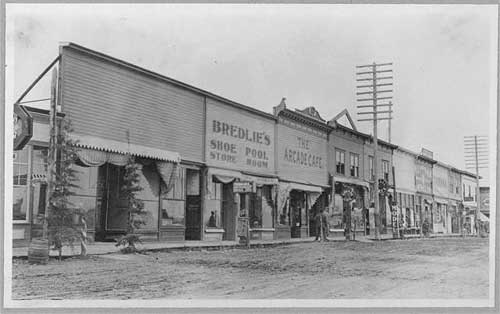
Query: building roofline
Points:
[164, 78]
[305, 118]
[427, 159]
[41, 111]
[469, 174]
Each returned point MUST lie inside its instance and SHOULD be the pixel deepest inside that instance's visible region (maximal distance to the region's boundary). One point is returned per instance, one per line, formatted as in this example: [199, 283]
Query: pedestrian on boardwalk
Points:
[321, 223]
[401, 227]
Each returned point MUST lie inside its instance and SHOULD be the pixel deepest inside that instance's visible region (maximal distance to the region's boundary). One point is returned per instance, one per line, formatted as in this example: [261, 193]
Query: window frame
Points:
[45, 163]
[354, 165]
[339, 166]
[386, 174]
[27, 187]
[371, 168]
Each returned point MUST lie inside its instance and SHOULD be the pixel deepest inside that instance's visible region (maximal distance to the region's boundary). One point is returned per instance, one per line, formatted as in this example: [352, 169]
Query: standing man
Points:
[322, 228]
[317, 224]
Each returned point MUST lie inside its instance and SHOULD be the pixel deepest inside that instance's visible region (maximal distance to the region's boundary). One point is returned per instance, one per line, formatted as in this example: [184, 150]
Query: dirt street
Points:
[417, 268]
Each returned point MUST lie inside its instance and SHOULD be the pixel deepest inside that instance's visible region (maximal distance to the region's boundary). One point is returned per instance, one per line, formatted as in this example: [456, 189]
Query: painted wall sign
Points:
[238, 140]
[302, 155]
[23, 127]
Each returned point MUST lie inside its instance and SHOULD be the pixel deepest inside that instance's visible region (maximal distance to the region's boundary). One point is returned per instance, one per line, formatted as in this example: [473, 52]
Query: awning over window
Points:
[38, 177]
[351, 181]
[223, 175]
[259, 180]
[483, 217]
[441, 200]
[111, 146]
[96, 158]
[304, 187]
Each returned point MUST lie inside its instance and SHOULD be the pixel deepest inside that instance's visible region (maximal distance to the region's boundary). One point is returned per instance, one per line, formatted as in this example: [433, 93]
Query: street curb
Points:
[418, 237]
[217, 247]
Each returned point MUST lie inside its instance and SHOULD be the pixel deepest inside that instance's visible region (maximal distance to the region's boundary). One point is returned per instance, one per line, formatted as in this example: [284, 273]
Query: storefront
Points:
[423, 185]
[349, 210]
[407, 201]
[441, 192]
[406, 204]
[30, 180]
[101, 167]
[302, 169]
[118, 109]
[240, 175]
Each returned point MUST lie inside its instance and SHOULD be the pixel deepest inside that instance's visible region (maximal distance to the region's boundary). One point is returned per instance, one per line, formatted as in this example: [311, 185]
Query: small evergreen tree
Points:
[62, 228]
[130, 188]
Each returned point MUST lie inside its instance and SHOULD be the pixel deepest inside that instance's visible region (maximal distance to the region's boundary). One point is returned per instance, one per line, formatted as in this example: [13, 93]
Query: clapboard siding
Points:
[105, 100]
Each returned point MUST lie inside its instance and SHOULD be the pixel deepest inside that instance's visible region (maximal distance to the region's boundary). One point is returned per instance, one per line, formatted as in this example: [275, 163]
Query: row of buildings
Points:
[206, 161]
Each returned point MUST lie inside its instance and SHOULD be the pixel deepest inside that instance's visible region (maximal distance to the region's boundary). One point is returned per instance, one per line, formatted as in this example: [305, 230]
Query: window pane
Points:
[193, 182]
[172, 212]
[20, 172]
[20, 203]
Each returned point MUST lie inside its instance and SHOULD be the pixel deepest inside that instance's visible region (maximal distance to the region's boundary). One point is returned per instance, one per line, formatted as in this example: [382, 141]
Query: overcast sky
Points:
[444, 57]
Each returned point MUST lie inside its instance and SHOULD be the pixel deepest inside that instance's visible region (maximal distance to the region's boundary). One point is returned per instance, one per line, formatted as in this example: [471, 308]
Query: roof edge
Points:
[156, 75]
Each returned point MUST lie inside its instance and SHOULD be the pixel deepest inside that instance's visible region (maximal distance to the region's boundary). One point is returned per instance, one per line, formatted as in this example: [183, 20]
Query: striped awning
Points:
[38, 177]
[351, 181]
[112, 146]
[302, 187]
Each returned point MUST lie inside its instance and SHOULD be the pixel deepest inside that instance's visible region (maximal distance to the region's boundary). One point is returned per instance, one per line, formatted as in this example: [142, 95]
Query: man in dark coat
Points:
[322, 228]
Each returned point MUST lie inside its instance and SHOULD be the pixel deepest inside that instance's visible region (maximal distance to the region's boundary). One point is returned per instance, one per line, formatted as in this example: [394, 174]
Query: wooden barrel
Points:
[38, 252]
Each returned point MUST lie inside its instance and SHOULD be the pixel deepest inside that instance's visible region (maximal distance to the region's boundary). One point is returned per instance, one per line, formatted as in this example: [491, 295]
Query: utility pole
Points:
[476, 157]
[371, 76]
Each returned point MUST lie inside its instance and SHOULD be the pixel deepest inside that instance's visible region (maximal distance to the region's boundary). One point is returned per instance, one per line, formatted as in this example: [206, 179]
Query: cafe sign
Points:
[23, 127]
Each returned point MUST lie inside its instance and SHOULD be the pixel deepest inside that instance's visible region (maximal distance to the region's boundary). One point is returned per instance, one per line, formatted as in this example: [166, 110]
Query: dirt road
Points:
[429, 268]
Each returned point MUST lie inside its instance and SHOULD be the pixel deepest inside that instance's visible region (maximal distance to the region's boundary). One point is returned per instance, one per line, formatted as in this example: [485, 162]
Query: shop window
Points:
[39, 180]
[20, 189]
[354, 165]
[216, 191]
[340, 161]
[174, 202]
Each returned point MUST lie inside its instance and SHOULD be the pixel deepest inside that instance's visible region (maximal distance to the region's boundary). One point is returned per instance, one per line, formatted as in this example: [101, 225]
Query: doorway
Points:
[193, 205]
[297, 212]
[228, 212]
[112, 214]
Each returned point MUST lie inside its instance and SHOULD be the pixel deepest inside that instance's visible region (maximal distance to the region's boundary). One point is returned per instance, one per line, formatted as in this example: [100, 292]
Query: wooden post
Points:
[52, 153]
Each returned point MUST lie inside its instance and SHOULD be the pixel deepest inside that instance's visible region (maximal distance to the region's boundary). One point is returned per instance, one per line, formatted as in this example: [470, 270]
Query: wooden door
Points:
[228, 212]
[117, 211]
[193, 217]
[193, 205]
